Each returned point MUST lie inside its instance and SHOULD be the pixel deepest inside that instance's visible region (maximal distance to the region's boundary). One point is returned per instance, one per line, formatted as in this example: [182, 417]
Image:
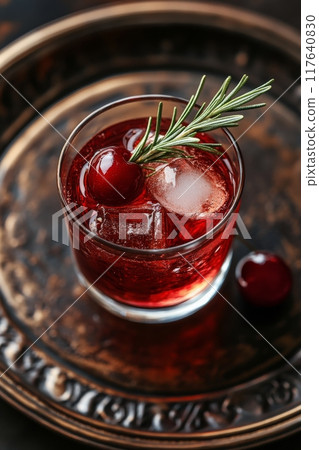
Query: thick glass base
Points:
[159, 315]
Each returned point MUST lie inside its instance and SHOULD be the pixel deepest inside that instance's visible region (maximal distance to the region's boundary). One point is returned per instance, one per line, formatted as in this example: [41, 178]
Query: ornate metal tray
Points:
[208, 381]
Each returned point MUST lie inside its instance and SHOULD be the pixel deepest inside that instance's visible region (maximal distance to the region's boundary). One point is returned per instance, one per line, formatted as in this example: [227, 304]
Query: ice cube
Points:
[139, 226]
[185, 189]
[133, 137]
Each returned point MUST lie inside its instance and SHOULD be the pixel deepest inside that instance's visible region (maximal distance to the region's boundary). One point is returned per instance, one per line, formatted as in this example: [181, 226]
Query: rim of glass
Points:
[188, 245]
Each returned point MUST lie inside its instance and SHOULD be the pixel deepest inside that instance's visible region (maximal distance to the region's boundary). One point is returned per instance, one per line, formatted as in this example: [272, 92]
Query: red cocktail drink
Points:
[162, 254]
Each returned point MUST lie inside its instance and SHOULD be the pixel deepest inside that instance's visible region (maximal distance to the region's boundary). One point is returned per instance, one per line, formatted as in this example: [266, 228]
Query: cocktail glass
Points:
[149, 284]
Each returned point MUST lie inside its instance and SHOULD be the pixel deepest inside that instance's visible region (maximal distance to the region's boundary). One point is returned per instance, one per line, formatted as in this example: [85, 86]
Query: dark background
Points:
[20, 16]
[17, 17]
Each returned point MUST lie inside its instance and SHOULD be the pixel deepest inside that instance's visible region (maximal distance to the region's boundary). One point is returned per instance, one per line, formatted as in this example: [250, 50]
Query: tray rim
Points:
[30, 42]
[36, 38]
[290, 419]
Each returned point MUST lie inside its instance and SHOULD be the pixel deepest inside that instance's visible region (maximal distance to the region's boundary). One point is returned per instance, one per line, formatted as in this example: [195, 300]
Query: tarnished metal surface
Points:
[209, 380]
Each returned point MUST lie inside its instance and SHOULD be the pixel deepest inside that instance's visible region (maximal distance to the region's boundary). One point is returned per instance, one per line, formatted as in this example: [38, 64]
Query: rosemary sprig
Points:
[208, 118]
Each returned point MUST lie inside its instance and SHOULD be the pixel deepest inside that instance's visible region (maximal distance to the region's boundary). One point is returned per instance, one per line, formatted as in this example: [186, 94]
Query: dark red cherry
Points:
[264, 279]
[111, 179]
